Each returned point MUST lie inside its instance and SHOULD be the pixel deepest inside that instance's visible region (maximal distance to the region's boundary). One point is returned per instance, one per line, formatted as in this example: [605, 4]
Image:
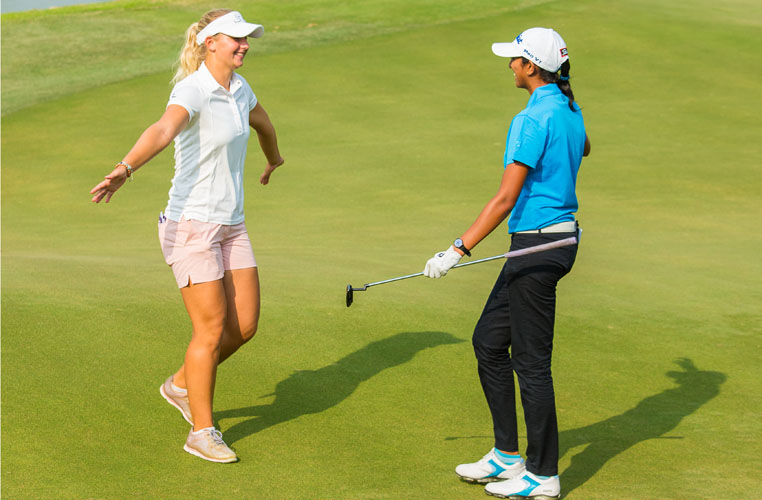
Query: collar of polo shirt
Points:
[210, 84]
[231, 24]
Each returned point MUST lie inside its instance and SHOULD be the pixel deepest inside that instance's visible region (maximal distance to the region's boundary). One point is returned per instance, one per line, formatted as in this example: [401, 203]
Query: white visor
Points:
[231, 24]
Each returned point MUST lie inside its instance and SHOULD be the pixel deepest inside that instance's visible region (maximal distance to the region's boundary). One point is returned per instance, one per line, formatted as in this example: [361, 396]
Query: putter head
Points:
[351, 295]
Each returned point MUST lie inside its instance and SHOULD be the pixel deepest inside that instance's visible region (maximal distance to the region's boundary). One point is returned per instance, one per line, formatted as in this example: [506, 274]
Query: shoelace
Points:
[487, 457]
[216, 436]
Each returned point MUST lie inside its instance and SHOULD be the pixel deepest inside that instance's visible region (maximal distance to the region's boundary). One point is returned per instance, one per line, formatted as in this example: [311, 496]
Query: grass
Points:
[97, 44]
[393, 143]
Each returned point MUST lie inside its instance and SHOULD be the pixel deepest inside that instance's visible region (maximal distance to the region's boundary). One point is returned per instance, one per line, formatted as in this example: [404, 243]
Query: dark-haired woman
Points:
[544, 149]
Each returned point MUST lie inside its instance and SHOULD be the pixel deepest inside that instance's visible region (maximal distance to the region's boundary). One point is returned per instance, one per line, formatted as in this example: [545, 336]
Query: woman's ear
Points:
[532, 69]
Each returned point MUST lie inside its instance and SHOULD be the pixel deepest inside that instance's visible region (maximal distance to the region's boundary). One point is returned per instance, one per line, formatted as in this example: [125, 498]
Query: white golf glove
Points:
[439, 264]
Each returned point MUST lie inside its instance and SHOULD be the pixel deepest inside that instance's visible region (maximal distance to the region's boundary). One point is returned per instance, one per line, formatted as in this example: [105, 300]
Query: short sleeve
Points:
[187, 96]
[526, 141]
[252, 99]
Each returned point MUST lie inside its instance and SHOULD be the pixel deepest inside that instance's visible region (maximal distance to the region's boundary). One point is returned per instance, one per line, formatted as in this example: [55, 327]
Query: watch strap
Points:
[458, 243]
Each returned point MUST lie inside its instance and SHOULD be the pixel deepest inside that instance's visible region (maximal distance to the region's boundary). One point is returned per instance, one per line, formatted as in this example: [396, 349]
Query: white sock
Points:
[201, 430]
[178, 389]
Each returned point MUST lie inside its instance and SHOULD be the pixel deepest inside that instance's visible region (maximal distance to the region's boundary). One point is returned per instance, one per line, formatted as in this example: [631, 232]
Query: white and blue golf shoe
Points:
[489, 468]
[526, 485]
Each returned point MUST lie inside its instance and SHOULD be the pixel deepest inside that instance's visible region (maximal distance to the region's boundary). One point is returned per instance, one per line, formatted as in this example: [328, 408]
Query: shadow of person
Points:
[650, 419]
[313, 391]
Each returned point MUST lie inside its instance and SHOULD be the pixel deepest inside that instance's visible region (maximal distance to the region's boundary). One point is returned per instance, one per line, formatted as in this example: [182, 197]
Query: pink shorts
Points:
[202, 251]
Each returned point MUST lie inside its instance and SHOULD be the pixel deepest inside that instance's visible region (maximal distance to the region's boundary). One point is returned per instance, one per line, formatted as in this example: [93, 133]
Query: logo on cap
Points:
[518, 39]
[532, 56]
[564, 52]
[237, 18]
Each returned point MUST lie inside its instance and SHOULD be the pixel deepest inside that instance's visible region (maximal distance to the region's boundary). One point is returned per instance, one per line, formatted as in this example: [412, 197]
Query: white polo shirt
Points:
[210, 151]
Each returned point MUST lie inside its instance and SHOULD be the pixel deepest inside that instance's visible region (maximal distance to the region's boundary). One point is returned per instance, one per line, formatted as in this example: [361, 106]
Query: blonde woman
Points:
[202, 231]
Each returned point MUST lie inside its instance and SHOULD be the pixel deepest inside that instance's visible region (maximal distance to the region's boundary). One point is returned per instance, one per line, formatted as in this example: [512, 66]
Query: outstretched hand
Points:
[264, 179]
[109, 186]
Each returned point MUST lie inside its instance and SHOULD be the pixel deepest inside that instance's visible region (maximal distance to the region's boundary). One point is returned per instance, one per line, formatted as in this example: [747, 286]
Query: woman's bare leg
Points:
[206, 304]
[242, 299]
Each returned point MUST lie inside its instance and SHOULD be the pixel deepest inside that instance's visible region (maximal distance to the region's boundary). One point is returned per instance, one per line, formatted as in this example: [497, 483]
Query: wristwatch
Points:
[460, 246]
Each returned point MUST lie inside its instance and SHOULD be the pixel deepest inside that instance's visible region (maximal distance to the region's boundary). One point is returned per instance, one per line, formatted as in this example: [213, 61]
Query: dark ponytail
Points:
[561, 80]
[564, 85]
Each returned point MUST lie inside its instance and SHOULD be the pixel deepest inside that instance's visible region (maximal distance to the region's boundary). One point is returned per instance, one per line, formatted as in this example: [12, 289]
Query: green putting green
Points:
[392, 117]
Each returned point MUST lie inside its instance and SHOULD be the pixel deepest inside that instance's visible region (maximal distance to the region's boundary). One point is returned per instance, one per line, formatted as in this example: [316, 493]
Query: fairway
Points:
[392, 118]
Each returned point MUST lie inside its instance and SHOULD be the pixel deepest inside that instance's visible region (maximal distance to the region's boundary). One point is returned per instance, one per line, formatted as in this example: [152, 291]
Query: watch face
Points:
[458, 243]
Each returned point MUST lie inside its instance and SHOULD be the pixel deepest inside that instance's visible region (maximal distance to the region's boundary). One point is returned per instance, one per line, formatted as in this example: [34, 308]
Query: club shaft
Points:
[525, 251]
[515, 253]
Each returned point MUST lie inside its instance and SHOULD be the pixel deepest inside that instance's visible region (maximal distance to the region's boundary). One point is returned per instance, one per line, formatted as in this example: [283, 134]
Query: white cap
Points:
[542, 46]
[231, 24]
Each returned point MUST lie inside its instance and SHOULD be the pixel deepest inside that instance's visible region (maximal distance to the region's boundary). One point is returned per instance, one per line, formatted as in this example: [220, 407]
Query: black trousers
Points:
[515, 334]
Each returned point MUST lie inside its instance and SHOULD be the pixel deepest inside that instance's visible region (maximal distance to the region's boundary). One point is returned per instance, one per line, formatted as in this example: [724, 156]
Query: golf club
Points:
[515, 253]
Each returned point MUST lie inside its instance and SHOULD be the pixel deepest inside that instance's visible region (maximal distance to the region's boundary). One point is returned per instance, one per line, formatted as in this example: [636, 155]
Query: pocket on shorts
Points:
[172, 237]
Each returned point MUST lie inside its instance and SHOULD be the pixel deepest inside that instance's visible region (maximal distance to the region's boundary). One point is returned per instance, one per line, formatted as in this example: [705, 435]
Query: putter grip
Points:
[545, 246]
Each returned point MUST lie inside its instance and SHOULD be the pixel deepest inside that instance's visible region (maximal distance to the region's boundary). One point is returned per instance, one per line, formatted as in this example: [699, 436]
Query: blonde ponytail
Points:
[192, 54]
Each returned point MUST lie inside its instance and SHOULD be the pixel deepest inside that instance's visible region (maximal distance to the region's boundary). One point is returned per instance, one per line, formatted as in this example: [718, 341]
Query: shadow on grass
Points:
[313, 391]
[650, 419]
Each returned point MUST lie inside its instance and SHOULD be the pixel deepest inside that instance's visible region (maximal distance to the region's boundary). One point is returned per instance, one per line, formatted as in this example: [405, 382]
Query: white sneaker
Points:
[527, 485]
[488, 469]
[208, 444]
[179, 401]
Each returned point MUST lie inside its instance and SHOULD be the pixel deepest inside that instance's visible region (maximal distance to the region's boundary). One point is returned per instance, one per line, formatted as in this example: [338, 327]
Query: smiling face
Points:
[228, 51]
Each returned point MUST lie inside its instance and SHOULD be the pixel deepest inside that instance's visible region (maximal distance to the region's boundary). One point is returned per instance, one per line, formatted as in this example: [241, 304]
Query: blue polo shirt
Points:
[549, 138]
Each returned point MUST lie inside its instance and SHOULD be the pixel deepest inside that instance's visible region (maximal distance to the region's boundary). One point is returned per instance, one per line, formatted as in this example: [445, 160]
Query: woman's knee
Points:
[239, 332]
[207, 307]
[208, 334]
[248, 332]
[489, 347]
[205, 343]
